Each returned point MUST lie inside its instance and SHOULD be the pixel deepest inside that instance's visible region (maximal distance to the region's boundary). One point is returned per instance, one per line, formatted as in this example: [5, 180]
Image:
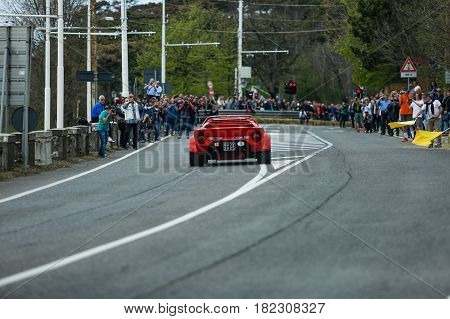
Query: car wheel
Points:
[196, 159]
[264, 157]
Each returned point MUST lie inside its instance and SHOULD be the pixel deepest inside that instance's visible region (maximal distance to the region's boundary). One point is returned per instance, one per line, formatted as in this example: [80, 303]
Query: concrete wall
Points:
[55, 144]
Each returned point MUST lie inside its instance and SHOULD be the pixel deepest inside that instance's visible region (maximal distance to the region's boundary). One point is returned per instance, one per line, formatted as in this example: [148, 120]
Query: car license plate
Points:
[229, 146]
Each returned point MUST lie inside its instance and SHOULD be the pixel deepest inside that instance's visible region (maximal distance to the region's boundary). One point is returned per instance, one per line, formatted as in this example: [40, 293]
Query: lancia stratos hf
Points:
[229, 137]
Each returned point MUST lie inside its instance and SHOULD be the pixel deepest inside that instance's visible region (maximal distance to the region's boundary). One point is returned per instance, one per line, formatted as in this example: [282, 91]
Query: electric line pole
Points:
[124, 27]
[239, 62]
[88, 64]
[60, 68]
[163, 45]
[47, 90]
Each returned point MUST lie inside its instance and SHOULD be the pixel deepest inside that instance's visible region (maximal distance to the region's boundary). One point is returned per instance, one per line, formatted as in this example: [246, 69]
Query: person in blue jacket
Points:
[98, 108]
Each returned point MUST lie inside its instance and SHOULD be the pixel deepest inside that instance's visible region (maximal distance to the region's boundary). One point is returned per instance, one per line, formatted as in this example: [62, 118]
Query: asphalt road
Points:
[337, 215]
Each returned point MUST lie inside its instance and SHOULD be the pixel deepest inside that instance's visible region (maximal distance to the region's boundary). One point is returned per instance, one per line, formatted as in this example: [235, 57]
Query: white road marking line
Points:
[287, 157]
[296, 134]
[295, 150]
[281, 163]
[296, 145]
[128, 239]
[252, 184]
[34, 190]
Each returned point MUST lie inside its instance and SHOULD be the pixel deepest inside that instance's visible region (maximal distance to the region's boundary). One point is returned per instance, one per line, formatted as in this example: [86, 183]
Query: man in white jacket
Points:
[131, 110]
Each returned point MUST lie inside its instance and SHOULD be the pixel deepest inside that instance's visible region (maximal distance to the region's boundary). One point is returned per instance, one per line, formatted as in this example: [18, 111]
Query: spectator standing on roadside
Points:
[121, 124]
[416, 107]
[132, 117]
[384, 104]
[343, 110]
[303, 115]
[417, 88]
[367, 111]
[433, 88]
[98, 108]
[156, 116]
[433, 110]
[406, 113]
[375, 114]
[445, 120]
[103, 130]
[395, 111]
[357, 107]
[187, 113]
[158, 90]
[351, 112]
[171, 118]
[150, 89]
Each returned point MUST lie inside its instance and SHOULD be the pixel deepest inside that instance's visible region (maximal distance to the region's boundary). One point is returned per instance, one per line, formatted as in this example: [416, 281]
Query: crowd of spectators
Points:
[146, 119]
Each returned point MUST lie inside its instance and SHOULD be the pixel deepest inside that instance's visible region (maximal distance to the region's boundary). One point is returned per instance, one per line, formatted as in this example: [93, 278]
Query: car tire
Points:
[264, 157]
[196, 159]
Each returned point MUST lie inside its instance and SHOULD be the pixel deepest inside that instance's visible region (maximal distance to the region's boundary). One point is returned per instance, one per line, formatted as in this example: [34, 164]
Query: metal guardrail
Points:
[259, 114]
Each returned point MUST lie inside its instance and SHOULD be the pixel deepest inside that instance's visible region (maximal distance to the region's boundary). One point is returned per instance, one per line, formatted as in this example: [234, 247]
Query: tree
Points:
[382, 34]
[190, 68]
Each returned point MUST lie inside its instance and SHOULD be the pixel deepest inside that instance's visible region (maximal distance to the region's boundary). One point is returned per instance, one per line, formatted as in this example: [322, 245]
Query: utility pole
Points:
[47, 90]
[239, 62]
[163, 45]
[88, 65]
[124, 28]
[60, 68]
[94, 47]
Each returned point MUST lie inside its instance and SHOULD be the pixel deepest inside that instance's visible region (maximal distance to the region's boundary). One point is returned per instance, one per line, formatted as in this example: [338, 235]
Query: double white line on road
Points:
[258, 180]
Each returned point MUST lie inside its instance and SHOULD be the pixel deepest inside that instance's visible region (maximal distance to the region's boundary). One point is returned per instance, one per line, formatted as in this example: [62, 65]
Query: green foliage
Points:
[381, 34]
[190, 68]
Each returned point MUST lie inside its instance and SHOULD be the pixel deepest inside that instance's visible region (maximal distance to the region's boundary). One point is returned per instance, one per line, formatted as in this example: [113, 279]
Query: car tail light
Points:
[201, 137]
[256, 136]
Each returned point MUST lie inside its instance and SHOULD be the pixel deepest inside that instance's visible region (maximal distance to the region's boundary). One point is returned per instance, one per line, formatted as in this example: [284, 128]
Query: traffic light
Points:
[359, 92]
[290, 88]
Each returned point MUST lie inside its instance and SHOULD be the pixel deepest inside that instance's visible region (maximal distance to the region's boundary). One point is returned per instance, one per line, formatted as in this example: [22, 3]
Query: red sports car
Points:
[229, 137]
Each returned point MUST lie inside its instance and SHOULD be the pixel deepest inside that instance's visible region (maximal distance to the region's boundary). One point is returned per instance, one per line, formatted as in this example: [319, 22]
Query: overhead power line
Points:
[283, 4]
[294, 32]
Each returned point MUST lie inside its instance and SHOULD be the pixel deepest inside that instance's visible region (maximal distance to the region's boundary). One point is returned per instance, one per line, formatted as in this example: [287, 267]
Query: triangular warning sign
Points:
[408, 66]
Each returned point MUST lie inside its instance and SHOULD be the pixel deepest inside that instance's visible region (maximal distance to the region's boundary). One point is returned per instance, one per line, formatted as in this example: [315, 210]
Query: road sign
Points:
[85, 76]
[246, 72]
[89, 76]
[447, 76]
[106, 77]
[16, 45]
[408, 69]
[17, 119]
[13, 40]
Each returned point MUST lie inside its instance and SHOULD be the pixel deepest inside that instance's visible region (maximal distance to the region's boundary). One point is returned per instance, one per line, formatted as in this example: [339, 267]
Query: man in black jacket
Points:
[121, 124]
[187, 114]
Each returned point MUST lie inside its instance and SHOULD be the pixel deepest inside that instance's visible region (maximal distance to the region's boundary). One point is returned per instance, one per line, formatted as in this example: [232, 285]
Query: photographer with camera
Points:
[156, 116]
[132, 118]
[150, 89]
[187, 113]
